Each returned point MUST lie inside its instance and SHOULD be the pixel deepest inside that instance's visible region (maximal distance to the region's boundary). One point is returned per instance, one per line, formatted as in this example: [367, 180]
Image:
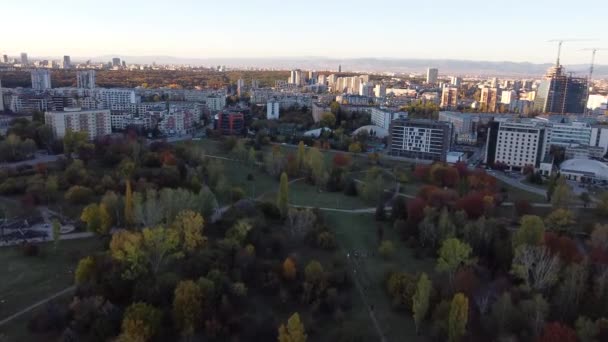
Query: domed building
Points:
[584, 170]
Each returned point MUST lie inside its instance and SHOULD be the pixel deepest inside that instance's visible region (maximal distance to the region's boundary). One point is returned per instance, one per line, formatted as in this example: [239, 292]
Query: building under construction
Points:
[559, 93]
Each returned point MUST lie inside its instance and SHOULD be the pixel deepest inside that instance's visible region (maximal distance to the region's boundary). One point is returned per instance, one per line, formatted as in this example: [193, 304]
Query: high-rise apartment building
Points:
[4, 59]
[507, 96]
[1, 98]
[41, 79]
[431, 75]
[380, 90]
[230, 123]
[67, 62]
[449, 98]
[85, 79]
[559, 93]
[295, 77]
[24, 60]
[456, 81]
[272, 110]
[96, 123]
[116, 62]
[420, 139]
[489, 99]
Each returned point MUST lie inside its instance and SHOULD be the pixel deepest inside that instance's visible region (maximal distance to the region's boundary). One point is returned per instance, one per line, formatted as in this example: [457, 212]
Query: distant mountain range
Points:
[445, 66]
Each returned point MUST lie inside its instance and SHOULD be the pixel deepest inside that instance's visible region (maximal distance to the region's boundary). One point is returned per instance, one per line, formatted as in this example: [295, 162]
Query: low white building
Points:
[584, 170]
[272, 110]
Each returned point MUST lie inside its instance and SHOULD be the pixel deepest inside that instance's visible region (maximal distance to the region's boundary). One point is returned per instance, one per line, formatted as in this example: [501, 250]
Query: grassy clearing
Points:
[516, 194]
[27, 280]
[357, 232]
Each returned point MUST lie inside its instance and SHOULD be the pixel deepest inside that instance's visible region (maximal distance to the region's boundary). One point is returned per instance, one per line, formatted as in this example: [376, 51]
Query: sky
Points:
[486, 30]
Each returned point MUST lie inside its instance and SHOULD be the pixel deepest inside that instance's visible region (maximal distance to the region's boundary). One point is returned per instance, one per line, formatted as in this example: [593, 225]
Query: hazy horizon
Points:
[516, 31]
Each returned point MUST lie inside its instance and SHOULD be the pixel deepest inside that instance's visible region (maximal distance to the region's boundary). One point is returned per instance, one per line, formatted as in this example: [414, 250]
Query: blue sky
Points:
[477, 30]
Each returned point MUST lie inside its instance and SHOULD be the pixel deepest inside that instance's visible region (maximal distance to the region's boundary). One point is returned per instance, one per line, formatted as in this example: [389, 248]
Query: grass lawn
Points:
[357, 232]
[236, 173]
[519, 194]
[27, 280]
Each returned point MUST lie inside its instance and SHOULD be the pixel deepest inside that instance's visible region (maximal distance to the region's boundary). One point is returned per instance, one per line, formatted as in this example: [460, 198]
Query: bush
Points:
[30, 250]
[386, 249]
[270, 210]
[326, 240]
[236, 194]
[79, 195]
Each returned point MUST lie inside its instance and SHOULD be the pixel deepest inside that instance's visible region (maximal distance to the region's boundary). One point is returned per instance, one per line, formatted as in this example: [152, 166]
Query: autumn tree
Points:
[294, 331]
[187, 306]
[113, 203]
[96, 218]
[328, 120]
[140, 322]
[458, 317]
[452, 255]
[283, 195]
[316, 163]
[386, 249]
[289, 269]
[530, 232]
[560, 220]
[189, 226]
[420, 300]
[557, 332]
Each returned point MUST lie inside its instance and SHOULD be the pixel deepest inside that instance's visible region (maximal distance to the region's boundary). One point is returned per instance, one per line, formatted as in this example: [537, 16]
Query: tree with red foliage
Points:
[415, 210]
[563, 246]
[599, 256]
[472, 204]
[466, 281]
[528, 169]
[522, 207]
[422, 172]
[450, 177]
[442, 198]
[462, 168]
[167, 158]
[557, 332]
[42, 168]
[426, 191]
[341, 160]
[480, 180]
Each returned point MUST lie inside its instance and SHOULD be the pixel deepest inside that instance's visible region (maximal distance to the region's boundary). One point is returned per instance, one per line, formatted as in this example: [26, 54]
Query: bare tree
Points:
[300, 222]
[536, 267]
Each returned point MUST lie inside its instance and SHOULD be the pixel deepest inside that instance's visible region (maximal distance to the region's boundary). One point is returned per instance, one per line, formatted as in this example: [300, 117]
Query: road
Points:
[517, 183]
[39, 158]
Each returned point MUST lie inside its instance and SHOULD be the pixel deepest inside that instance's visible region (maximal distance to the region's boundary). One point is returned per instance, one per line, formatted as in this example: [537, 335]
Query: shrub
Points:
[386, 249]
[326, 240]
[29, 249]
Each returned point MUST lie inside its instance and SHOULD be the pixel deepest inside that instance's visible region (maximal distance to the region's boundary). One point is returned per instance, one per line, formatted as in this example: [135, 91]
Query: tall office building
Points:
[380, 90]
[559, 93]
[508, 96]
[431, 75]
[85, 79]
[340, 68]
[24, 59]
[449, 98]
[494, 82]
[41, 79]
[489, 99]
[456, 81]
[295, 77]
[4, 59]
[116, 62]
[420, 139]
[255, 84]
[67, 62]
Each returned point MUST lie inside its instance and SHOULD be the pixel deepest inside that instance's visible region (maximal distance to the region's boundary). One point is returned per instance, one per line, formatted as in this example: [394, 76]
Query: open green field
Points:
[236, 174]
[516, 194]
[357, 233]
[27, 280]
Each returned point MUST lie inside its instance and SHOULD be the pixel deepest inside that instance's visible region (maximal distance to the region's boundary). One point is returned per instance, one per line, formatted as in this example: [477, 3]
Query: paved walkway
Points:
[37, 304]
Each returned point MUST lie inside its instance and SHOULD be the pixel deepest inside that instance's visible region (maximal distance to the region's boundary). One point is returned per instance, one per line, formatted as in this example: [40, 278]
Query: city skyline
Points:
[334, 30]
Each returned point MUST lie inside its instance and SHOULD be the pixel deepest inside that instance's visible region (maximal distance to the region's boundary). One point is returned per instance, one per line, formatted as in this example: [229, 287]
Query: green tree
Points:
[355, 147]
[300, 156]
[327, 120]
[51, 187]
[85, 270]
[536, 266]
[187, 306]
[534, 312]
[386, 249]
[585, 198]
[160, 245]
[420, 300]
[560, 220]
[283, 195]
[140, 322]
[129, 203]
[251, 157]
[294, 331]
[562, 195]
[602, 204]
[91, 216]
[316, 163]
[112, 202]
[452, 255]
[586, 329]
[445, 226]
[531, 232]
[189, 226]
[502, 313]
[458, 317]
[56, 229]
